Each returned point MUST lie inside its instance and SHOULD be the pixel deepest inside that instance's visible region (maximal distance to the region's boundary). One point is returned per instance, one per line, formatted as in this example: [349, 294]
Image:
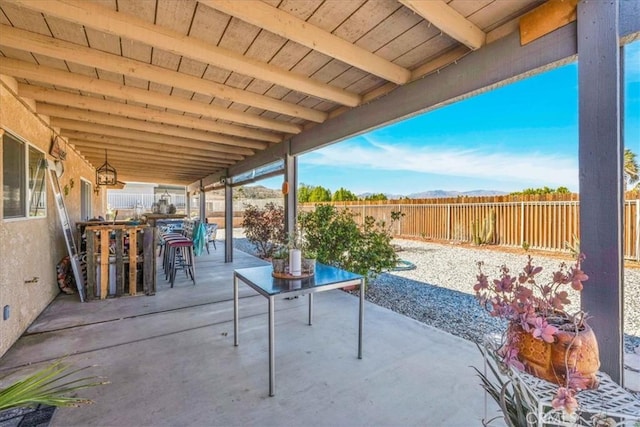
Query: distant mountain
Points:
[434, 194]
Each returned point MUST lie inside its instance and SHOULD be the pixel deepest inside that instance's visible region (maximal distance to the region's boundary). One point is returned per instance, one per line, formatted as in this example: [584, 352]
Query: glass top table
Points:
[261, 280]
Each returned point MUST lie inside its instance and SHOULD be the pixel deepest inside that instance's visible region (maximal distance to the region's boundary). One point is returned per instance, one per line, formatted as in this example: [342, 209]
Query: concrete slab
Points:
[171, 360]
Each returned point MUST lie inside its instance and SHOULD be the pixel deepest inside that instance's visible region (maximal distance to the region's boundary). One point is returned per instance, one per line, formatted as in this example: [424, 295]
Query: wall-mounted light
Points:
[106, 174]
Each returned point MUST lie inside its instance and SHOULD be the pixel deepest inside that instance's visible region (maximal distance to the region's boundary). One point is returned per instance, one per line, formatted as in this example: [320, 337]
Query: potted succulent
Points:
[280, 260]
[543, 338]
[308, 261]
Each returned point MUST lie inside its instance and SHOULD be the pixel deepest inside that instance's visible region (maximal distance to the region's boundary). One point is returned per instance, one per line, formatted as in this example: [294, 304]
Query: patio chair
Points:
[212, 229]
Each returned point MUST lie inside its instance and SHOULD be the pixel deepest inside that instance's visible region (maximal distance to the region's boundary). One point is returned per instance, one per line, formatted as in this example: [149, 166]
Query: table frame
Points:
[238, 276]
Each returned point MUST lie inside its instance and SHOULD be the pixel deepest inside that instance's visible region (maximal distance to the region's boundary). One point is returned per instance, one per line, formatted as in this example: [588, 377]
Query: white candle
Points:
[295, 262]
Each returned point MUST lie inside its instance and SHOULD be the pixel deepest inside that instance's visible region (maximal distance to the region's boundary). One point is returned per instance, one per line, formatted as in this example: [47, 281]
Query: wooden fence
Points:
[546, 224]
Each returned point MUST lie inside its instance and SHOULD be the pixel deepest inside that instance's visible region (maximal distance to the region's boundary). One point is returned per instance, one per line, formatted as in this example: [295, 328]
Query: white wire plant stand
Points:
[609, 405]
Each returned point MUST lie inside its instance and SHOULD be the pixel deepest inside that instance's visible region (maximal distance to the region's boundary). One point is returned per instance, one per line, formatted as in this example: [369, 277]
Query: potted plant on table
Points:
[280, 260]
[542, 338]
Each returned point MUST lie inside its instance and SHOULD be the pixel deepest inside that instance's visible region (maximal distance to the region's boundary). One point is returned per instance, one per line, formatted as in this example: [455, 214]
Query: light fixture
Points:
[106, 174]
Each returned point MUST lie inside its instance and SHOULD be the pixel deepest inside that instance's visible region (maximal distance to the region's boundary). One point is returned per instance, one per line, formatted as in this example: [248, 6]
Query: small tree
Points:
[343, 195]
[264, 228]
[376, 196]
[319, 194]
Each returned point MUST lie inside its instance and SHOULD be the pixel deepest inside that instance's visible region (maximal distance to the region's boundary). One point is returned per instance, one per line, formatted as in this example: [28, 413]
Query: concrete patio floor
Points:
[171, 361]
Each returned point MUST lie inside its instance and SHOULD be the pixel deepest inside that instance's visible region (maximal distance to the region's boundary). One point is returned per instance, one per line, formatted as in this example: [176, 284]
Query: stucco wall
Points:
[31, 247]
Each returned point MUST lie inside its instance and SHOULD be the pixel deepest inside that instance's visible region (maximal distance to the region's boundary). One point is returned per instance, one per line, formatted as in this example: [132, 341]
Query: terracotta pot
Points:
[550, 361]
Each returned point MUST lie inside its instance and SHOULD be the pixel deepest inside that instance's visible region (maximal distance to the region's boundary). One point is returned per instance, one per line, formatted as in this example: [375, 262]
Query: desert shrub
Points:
[338, 240]
[264, 228]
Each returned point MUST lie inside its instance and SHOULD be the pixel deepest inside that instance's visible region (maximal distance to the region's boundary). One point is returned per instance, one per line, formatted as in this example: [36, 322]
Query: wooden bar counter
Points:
[128, 269]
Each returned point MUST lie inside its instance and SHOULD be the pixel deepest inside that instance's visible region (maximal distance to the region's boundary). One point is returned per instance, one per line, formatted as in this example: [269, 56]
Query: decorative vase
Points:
[570, 351]
[295, 262]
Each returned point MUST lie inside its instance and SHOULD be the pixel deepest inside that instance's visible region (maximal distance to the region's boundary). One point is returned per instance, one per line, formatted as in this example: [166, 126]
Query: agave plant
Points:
[49, 386]
[511, 397]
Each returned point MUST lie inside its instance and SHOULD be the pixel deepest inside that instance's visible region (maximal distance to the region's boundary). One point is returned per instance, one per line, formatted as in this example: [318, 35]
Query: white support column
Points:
[601, 189]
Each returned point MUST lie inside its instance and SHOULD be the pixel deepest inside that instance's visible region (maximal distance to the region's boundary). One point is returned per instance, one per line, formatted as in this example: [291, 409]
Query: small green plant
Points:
[49, 386]
[281, 253]
[573, 247]
[526, 246]
[483, 232]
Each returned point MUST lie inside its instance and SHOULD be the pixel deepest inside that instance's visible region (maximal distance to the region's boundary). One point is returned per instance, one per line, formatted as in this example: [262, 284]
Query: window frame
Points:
[26, 191]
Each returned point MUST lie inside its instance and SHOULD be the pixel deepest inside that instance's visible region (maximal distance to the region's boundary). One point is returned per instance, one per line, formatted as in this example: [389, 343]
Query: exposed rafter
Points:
[199, 149]
[55, 48]
[140, 125]
[288, 26]
[101, 18]
[236, 153]
[57, 97]
[449, 21]
[69, 80]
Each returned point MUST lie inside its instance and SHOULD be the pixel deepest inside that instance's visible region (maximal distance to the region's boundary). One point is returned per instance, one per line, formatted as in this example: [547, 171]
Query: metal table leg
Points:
[361, 319]
[235, 310]
[272, 367]
[310, 308]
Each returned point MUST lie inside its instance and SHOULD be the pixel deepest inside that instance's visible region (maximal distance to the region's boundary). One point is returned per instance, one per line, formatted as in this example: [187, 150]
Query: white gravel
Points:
[439, 291]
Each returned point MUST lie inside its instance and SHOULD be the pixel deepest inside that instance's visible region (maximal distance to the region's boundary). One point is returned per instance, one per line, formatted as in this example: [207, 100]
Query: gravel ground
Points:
[439, 291]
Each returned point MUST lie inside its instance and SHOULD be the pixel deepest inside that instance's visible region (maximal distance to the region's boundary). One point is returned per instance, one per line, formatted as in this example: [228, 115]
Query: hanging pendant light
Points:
[106, 174]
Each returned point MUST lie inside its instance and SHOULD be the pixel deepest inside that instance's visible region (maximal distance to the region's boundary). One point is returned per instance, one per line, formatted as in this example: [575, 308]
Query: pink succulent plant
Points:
[538, 309]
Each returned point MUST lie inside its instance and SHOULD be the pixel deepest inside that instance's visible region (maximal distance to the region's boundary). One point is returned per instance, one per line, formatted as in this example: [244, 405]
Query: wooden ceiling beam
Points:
[166, 180]
[71, 52]
[228, 152]
[290, 27]
[108, 141]
[449, 21]
[58, 97]
[165, 155]
[94, 16]
[53, 76]
[140, 125]
[142, 166]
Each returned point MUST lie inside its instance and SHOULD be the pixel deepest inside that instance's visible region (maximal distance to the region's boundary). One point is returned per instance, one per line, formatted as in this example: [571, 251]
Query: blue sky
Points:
[518, 136]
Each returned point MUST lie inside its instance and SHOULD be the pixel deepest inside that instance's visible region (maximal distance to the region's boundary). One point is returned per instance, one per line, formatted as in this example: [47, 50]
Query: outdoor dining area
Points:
[170, 358]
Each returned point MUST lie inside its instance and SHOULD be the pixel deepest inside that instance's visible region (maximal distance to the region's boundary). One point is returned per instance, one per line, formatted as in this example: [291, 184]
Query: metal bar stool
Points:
[182, 256]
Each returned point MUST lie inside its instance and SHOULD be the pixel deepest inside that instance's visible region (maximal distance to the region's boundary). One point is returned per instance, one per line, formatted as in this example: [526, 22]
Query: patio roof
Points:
[205, 85]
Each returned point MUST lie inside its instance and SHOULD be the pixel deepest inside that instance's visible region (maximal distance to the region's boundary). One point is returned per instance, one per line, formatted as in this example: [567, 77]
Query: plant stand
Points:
[609, 400]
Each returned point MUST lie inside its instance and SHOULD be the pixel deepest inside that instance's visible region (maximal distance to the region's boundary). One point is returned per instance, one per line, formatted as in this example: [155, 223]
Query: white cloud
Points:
[549, 170]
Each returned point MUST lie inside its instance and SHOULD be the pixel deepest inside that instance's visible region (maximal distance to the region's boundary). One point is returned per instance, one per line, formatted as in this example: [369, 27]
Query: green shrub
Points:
[338, 240]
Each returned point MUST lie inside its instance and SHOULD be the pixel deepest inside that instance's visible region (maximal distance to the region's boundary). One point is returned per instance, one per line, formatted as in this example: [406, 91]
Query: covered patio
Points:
[170, 359]
[214, 94]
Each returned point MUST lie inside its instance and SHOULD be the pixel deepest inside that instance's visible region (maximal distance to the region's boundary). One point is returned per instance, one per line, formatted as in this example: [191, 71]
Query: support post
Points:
[228, 222]
[202, 210]
[600, 165]
[291, 198]
[188, 204]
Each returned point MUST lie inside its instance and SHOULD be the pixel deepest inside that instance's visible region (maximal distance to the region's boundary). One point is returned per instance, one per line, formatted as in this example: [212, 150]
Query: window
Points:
[23, 179]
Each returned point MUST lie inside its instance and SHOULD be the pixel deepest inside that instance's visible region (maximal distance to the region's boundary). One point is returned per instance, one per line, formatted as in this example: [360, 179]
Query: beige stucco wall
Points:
[31, 247]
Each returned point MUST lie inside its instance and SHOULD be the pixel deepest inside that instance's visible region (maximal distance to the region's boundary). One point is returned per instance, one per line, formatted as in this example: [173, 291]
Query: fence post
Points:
[521, 223]
[637, 229]
[449, 221]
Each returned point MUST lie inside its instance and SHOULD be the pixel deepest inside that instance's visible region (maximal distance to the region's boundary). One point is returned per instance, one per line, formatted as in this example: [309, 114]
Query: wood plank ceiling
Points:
[178, 89]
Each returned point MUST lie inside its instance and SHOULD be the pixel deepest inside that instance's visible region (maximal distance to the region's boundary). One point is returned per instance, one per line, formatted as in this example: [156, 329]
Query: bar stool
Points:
[181, 256]
[167, 258]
